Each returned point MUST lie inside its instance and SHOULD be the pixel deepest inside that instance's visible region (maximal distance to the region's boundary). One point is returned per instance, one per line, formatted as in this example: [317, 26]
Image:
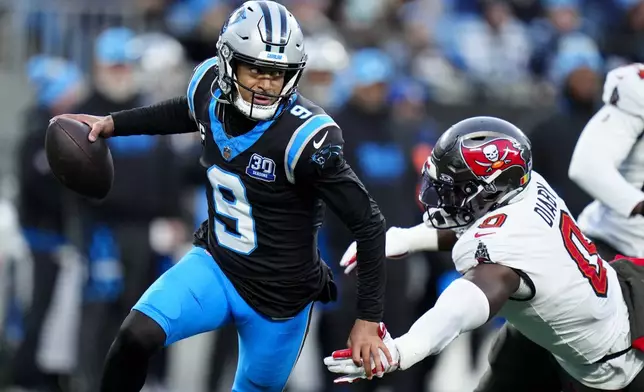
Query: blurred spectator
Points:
[526, 10]
[427, 48]
[562, 18]
[153, 11]
[327, 59]
[626, 39]
[47, 356]
[113, 68]
[408, 98]
[312, 16]
[495, 49]
[162, 68]
[420, 20]
[123, 237]
[576, 72]
[564, 15]
[196, 23]
[368, 23]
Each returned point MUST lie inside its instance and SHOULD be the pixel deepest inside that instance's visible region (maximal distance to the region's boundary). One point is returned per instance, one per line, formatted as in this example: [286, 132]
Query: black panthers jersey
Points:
[264, 197]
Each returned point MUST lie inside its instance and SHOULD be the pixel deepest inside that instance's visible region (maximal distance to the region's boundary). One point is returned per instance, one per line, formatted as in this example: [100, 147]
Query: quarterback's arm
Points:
[345, 195]
[466, 304]
[169, 117]
[164, 118]
[323, 166]
[604, 144]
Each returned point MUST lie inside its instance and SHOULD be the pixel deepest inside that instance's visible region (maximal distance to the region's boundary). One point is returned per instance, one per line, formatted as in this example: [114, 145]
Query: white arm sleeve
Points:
[460, 308]
[603, 145]
[421, 238]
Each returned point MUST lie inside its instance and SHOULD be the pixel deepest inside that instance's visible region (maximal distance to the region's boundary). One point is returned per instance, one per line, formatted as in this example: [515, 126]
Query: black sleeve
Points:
[339, 187]
[163, 118]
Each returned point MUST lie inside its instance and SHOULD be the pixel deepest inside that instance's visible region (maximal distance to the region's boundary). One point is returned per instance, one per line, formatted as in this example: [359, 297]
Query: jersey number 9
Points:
[301, 112]
[231, 202]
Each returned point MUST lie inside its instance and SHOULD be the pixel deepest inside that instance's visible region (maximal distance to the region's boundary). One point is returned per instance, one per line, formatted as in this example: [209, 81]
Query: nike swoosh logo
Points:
[318, 144]
[477, 235]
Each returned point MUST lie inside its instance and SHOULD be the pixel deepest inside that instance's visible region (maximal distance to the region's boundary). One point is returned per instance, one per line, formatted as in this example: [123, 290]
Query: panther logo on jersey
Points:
[328, 156]
[497, 154]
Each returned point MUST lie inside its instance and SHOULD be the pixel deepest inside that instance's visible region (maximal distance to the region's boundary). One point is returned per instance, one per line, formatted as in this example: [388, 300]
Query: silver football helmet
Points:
[266, 34]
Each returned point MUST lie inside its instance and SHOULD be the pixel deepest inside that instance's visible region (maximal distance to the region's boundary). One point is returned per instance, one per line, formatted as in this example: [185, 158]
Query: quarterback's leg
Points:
[518, 364]
[268, 349]
[190, 298]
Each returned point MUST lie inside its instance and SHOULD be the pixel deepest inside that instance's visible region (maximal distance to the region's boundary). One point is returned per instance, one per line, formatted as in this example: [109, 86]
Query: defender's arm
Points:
[466, 304]
[404, 241]
[419, 238]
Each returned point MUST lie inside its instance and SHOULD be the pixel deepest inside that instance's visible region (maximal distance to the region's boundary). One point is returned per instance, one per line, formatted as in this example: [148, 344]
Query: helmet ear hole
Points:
[470, 189]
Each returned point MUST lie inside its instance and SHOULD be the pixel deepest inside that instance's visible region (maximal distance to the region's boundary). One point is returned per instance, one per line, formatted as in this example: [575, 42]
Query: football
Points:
[82, 166]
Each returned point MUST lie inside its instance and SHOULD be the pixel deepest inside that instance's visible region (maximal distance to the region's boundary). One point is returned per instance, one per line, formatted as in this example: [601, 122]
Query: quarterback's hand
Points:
[102, 126]
[396, 246]
[341, 361]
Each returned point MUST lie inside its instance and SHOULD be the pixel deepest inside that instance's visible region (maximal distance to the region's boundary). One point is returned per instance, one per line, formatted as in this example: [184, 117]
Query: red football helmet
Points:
[477, 165]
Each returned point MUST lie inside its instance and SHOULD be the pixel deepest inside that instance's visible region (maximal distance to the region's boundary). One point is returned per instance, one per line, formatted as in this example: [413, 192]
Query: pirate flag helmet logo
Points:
[497, 154]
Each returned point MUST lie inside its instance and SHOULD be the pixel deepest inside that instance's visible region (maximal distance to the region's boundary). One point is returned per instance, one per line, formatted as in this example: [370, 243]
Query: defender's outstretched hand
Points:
[397, 246]
[102, 126]
[341, 361]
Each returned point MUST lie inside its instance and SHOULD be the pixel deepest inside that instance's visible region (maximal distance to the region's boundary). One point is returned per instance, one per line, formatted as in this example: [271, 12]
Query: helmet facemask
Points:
[452, 205]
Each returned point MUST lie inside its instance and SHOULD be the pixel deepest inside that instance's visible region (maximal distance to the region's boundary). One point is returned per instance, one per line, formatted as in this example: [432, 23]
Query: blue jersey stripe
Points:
[200, 71]
[301, 138]
[238, 144]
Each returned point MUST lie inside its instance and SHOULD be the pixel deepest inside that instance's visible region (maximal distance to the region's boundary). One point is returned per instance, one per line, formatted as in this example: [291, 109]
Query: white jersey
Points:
[569, 300]
[608, 163]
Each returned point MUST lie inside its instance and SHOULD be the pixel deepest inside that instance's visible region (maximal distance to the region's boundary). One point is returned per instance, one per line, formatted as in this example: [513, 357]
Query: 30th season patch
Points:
[261, 168]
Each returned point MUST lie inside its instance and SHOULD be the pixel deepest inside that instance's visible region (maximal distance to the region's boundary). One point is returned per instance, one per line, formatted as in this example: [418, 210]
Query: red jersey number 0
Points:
[595, 274]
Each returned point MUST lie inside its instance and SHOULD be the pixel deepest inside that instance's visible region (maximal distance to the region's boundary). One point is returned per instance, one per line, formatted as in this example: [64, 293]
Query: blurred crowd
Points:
[518, 51]
[393, 74]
